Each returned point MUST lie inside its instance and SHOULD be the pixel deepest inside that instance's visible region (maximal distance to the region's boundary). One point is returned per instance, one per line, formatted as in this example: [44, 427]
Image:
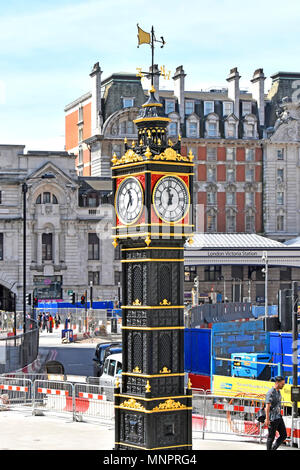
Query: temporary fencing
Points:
[92, 401]
[236, 416]
[15, 392]
[52, 396]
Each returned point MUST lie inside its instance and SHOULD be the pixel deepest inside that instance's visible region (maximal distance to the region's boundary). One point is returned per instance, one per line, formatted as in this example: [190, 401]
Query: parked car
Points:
[102, 351]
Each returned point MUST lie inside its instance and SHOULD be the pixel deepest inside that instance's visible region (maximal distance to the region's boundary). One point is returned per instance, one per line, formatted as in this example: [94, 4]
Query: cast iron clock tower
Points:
[152, 184]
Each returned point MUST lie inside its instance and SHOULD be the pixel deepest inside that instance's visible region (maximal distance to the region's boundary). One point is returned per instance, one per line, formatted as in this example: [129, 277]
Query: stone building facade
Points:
[67, 244]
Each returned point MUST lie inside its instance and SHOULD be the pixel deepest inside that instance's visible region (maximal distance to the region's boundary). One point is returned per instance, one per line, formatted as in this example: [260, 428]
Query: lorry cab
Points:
[111, 371]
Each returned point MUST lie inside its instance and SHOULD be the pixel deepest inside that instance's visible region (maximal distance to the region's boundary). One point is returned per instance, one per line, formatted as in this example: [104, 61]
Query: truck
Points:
[102, 351]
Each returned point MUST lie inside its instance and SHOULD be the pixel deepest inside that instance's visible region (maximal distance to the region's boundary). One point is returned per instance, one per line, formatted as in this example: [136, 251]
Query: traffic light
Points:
[28, 299]
[72, 298]
[82, 300]
[35, 301]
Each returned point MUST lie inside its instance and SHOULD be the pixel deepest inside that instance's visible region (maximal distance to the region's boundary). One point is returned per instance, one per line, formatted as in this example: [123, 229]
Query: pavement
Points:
[22, 431]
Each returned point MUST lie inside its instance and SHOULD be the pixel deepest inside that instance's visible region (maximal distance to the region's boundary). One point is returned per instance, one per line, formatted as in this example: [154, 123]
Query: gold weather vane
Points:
[148, 38]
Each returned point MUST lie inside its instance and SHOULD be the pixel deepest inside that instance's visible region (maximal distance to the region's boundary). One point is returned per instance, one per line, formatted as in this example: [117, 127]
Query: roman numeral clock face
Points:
[171, 199]
[129, 200]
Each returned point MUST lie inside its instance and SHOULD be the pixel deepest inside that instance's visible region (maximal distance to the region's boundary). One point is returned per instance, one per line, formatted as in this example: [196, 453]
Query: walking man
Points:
[274, 420]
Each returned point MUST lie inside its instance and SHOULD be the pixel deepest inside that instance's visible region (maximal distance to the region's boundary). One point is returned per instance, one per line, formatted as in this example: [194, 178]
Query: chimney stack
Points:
[258, 93]
[179, 90]
[96, 98]
[234, 90]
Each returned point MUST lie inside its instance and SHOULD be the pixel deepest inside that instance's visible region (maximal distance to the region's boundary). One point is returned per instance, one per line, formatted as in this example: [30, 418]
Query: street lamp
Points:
[265, 270]
[24, 191]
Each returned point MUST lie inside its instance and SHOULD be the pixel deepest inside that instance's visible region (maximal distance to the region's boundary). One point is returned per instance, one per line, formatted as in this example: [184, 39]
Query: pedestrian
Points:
[44, 321]
[50, 323]
[274, 420]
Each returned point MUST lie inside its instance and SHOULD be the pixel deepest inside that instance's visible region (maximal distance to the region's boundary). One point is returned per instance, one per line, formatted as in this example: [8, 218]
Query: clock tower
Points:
[152, 184]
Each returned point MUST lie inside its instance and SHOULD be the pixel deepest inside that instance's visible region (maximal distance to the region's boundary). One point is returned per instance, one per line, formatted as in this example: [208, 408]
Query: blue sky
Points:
[48, 49]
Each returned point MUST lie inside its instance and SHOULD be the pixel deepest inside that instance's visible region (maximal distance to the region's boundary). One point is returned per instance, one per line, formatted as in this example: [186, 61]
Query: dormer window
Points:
[227, 108]
[208, 107]
[169, 106]
[173, 128]
[189, 107]
[192, 129]
[128, 102]
[212, 129]
[246, 107]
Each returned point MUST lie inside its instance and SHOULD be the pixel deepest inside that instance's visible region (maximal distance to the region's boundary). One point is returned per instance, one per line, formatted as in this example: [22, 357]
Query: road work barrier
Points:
[212, 415]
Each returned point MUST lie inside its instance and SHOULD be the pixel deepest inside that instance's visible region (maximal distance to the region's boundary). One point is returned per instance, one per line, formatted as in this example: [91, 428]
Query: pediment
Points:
[50, 168]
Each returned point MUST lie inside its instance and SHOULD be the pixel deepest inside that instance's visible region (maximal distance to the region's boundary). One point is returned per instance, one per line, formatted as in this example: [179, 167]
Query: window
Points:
[80, 114]
[280, 154]
[111, 367]
[249, 199]
[249, 175]
[249, 155]
[280, 175]
[46, 198]
[208, 107]
[54, 199]
[123, 127]
[211, 197]
[249, 223]
[80, 134]
[211, 154]
[169, 106]
[118, 277]
[94, 278]
[250, 130]
[116, 149]
[189, 107]
[192, 129]
[130, 127]
[173, 128]
[47, 246]
[1, 246]
[230, 175]
[230, 154]
[190, 273]
[211, 174]
[230, 223]
[93, 246]
[128, 102]
[80, 155]
[227, 108]
[230, 198]
[285, 274]
[280, 223]
[212, 273]
[211, 222]
[280, 197]
[246, 108]
[212, 129]
[230, 130]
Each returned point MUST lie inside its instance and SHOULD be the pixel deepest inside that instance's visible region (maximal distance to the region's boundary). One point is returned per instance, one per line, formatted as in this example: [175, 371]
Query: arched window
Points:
[46, 198]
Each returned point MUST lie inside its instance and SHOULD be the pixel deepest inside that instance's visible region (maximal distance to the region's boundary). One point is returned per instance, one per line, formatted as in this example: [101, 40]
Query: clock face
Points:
[129, 200]
[171, 199]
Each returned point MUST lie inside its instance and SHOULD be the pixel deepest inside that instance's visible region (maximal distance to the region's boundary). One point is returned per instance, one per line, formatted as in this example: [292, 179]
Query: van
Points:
[102, 351]
[112, 371]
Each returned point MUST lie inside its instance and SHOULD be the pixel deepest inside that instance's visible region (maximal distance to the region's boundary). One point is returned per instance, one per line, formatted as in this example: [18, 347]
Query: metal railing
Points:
[19, 351]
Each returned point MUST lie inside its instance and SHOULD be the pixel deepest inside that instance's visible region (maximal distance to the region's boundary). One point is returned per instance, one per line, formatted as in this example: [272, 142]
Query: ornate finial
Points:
[189, 384]
[165, 302]
[148, 387]
[152, 89]
[149, 134]
[137, 370]
[148, 240]
[159, 141]
[148, 154]
[190, 240]
[114, 159]
[170, 143]
[125, 140]
[165, 370]
[141, 141]
[133, 144]
[179, 137]
[137, 302]
[115, 243]
[117, 382]
[191, 156]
